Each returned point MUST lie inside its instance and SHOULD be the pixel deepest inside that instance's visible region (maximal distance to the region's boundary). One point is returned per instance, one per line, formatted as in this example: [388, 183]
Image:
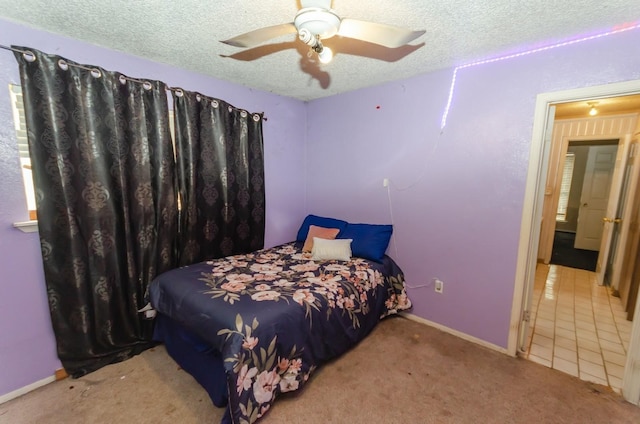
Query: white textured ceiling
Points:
[186, 33]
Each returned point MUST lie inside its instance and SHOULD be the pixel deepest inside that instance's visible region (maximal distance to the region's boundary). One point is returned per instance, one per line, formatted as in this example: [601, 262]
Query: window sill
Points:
[27, 226]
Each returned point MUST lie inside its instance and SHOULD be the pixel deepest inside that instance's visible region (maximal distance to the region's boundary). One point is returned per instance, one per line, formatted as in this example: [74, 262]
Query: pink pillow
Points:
[319, 232]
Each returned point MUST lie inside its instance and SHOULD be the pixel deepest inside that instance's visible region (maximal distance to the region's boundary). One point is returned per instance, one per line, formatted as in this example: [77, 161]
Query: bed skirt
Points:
[194, 356]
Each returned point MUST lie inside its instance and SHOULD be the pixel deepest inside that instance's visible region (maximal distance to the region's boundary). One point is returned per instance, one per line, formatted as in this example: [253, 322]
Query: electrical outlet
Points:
[438, 285]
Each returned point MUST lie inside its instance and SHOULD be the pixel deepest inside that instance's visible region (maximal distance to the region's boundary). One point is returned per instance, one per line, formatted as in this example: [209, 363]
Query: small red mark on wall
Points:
[378, 107]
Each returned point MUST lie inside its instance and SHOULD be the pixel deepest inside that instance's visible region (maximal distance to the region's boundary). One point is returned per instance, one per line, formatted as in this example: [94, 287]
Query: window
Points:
[15, 91]
[565, 186]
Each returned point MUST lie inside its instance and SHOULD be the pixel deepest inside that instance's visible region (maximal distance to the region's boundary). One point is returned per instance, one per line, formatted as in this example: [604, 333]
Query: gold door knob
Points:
[614, 220]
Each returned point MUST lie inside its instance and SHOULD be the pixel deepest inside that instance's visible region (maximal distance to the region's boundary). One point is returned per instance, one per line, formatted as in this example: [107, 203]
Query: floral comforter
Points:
[276, 315]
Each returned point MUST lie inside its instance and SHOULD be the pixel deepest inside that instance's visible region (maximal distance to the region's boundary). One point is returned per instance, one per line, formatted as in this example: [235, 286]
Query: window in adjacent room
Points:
[15, 91]
[565, 186]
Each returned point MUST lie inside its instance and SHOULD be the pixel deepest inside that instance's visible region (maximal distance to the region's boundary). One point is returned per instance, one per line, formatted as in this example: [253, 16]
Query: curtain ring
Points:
[214, 103]
[29, 56]
[243, 113]
[147, 85]
[63, 64]
[256, 117]
[122, 79]
[198, 97]
[230, 109]
[95, 72]
[179, 92]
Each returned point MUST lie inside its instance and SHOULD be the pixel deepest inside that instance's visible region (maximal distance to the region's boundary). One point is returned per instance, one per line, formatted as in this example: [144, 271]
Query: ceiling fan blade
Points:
[259, 36]
[385, 35]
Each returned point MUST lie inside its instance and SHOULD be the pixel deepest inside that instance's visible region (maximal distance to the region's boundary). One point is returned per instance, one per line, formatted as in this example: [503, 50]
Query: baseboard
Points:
[26, 389]
[456, 333]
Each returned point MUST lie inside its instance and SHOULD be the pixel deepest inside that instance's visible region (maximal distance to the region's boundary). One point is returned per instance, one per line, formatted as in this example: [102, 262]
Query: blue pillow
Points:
[370, 241]
[319, 221]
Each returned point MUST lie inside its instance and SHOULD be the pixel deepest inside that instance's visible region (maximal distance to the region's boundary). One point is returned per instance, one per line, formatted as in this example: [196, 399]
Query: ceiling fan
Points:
[316, 21]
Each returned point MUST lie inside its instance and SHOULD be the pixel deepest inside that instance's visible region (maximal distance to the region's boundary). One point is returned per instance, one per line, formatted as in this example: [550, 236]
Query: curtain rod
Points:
[177, 90]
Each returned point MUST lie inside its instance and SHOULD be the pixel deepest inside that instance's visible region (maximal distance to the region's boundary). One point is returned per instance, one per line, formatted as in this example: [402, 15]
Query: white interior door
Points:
[595, 196]
[612, 208]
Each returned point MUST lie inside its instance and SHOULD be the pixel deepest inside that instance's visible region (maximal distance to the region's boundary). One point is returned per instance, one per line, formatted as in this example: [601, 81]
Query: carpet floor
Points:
[404, 372]
[565, 254]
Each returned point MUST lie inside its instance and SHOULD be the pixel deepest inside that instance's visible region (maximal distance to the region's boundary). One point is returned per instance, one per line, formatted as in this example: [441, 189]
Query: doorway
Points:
[577, 327]
[584, 190]
[583, 196]
[531, 236]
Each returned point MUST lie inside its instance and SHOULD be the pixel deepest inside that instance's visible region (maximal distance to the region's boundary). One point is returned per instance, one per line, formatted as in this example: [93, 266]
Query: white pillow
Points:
[326, 250]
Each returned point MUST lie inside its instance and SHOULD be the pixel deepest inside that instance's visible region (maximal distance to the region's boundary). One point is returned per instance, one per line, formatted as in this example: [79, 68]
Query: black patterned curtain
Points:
[220, 163]
[104, 172]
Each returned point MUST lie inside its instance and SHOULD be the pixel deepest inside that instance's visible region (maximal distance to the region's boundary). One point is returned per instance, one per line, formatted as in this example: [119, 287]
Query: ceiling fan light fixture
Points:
[322, 23]
[316, 21]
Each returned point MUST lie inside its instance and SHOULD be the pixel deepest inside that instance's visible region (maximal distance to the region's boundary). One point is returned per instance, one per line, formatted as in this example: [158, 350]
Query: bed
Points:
[251, 327]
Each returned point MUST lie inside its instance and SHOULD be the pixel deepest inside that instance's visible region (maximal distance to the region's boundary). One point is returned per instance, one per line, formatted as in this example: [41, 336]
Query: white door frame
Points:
[532, 214]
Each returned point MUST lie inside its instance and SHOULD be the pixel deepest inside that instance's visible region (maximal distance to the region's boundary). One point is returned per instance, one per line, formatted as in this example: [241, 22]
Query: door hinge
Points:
[526, 316]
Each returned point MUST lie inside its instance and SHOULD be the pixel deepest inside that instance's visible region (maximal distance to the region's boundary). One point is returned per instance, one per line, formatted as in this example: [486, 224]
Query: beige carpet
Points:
[405, 372]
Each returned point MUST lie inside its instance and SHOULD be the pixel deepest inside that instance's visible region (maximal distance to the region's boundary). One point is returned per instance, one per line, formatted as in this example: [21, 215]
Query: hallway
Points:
[577, 326]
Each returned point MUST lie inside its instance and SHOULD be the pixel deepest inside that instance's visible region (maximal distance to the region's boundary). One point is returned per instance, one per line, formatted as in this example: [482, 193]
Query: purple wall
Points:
[456, 197]
[27, 344]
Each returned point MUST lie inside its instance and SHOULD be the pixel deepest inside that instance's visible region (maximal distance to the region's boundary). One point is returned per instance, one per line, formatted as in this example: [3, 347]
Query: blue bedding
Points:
[275, 315]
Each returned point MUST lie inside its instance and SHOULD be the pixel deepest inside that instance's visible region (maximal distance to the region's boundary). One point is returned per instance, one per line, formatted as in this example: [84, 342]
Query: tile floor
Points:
[578, 327]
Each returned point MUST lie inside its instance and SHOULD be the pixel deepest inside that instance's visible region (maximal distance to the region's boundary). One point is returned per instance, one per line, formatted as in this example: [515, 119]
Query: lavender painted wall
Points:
[27, 344]
[456, 196]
